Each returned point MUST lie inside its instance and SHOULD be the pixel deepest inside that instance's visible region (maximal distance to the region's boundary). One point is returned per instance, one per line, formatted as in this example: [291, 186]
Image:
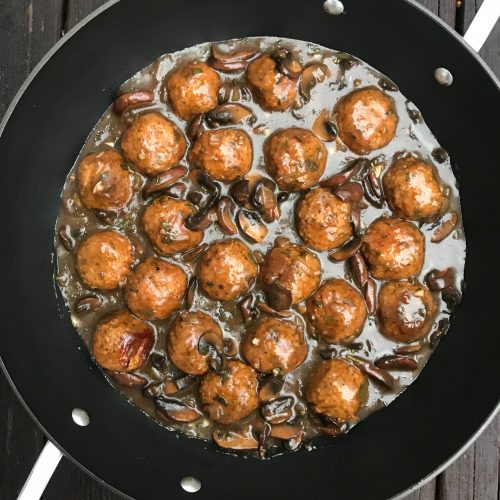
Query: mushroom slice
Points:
[278, 411]
[438, 280]
[170, 387]
[324, 127]
[279, 297]
[286, 431]
[359, 269]
[445, 228]
[193, 254]
[265, 200]
[133, 100]
[247, 311]
[350, 192]
[228, 114]
[351, 171]
[409, 348]
[129, 379]
[191, 292]
[251, 226]
[370, 294]
[165, 180]
[209, 341]
[312, 75]
[267, 309]
[347, 251]
[194, 128]
[271, 388]
[66, 238]
[371, 370]
[90, 303]
[240, 192]
[177, 410]
[397, 362]
[236, 440]
[225, 209]
[230, 63]
[442, 328]
[288, 64]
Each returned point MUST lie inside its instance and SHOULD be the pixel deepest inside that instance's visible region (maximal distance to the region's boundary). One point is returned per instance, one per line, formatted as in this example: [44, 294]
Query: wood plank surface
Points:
[28, 29]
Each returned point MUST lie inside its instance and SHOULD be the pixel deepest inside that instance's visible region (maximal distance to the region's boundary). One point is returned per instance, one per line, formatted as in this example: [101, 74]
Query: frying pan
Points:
[48, 364]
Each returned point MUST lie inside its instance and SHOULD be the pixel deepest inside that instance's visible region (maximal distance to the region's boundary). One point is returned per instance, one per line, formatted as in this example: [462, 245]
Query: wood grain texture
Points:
[28, 29]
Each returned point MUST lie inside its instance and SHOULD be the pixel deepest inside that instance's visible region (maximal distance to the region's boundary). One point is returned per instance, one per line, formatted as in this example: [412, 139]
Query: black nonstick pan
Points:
[49, 365]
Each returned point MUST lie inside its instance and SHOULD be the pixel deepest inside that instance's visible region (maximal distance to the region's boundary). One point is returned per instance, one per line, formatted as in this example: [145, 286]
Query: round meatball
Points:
[271, 89]
[296, 158]
[193, 89]
[104, 260]
[182, 342]
[122, 343]
[366, 120]
[227, 270]
[163, 222]
[337, 311]
[405, 311]
[290, 269]
[224, 154]
[393, 248]
[155, 289]
[337, 390]
[413, 189]
[104, 181]
[275, 344]
[323, 221]
[153, 144]
[231, 395]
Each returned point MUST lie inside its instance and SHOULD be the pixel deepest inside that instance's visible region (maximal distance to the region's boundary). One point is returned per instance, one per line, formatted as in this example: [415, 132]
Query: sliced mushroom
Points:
[347, 251]
[66, 238]
[278, 411]
[230, 63]
[295, 442]
[225, 92]
[324, 127]
[372, 189]
[451, 297]
[371, 370]
[387, 84]
[90, 303]
[247, 311]
[129, 379]
[271, 388]
[359, 269]
[279, 297]
[442, 328]
[191, 292]
[228, 114]
[177, 410]
[265, 308]
[351, 171]
[328, 353]
[240, 192]
[312, 74]
[438, 280]
[251, 226]
[264, 439]
[445, 228]
[349, 191]
[440, 155]
[159, 361]
[370, 294]
[170, 387]
[176, 190]
[165, 180]
[397, 362]
[409, 348]
[133, 100]
[209, 341]
[225, 209]
[233, 440]
[333, 429]
[106, 216]
[286, 431]
[265, 200]
[287, 63]
[231, 347]
[356, 218]
[203, 218]
[195, 127]
[193, 254]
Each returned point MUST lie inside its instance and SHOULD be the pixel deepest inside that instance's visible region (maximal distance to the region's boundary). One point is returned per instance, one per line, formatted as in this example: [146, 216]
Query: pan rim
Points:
[3, 123]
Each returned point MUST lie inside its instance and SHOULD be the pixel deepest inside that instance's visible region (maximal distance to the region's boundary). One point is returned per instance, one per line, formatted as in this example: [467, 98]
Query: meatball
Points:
[406, 311]
[155, 289]
[182, 342]
[275, 344]
[193, 89]
[104, 260]
[104, 181]
[337, 390]
[413, 189]
[337, 311]
[163, 222]
[122, 343]
[231, 395]
[227, 270]
[296, 158]
[153, 144]
[225, 154]
[394, 249]
[290, 269]
[271, 89]
[366, 120]
[323, 221]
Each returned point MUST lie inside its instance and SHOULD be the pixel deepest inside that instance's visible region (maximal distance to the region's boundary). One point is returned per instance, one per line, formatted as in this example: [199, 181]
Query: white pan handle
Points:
[41, 473]
[483, 24]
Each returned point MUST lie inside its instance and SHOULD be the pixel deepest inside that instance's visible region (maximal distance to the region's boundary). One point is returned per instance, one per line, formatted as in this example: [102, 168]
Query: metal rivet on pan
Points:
[80, 417]
[333, 7]
[190, 484]
[443, 77]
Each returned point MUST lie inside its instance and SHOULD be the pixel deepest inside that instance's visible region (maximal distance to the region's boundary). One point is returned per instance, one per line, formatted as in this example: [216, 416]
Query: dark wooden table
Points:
[28, 29]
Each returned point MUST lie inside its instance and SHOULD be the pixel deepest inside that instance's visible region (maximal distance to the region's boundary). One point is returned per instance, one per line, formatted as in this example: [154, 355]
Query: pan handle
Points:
[483, 24]
[41, 473]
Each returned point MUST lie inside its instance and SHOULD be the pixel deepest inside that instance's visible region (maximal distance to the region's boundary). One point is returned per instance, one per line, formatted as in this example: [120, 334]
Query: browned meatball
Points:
[227, 270]
[153, 144]
[366, 120]
[406, 312]
[296, 158]
[104, 181]
[182, 342]
[225, 154]
[413, 189]
[163, 222]
[337, 390]
[230, 395]
[337, 311]
[323, 221]
[290, 269]
[275, 344]
[393, 248]
[271, 89]
[192, 89]
[155, 289]
[122, 343]
[104, 260]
